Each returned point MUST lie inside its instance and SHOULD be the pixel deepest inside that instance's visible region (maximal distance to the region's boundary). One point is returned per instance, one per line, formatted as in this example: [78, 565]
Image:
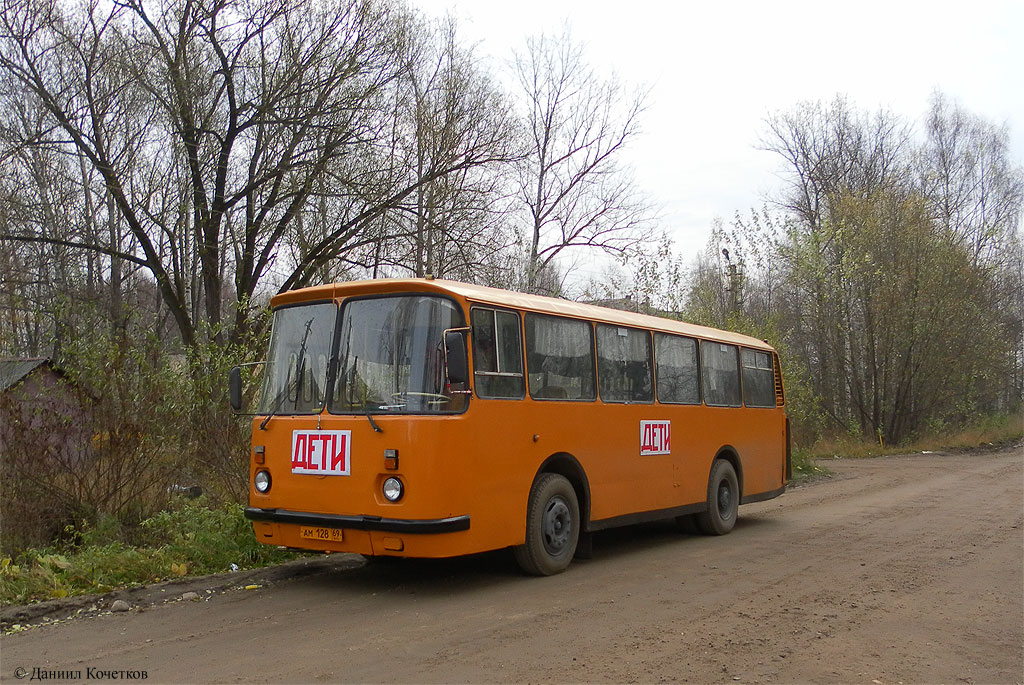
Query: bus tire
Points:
[552, 527]
[723, 500]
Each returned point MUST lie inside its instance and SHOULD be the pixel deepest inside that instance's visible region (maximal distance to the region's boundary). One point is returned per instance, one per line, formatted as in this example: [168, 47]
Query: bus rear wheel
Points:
[552, 527]
[723, 500]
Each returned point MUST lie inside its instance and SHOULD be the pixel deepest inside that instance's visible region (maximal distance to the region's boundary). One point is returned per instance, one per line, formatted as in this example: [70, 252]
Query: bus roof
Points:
[505, 298]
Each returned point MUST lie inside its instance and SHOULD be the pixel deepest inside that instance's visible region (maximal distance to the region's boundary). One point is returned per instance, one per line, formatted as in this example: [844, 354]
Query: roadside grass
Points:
[990, 432]
[193, 539]
[805, 465]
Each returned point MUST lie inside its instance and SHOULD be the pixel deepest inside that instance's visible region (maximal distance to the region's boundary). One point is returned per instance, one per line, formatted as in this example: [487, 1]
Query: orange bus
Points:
[429, 418]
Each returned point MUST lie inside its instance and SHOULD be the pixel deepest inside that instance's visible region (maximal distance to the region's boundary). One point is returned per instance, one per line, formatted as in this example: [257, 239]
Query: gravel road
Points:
[895, 570]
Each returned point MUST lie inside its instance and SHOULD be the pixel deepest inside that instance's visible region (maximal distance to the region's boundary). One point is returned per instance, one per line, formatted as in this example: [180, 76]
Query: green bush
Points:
[804, 465]
[207, 537]
[127, 424]
[192, 539]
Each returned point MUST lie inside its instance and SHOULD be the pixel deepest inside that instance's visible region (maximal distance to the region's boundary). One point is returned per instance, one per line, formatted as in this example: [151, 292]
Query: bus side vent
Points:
[780, 395]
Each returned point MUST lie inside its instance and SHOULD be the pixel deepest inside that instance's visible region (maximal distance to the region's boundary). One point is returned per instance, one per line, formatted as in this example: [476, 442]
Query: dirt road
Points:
[900, 569]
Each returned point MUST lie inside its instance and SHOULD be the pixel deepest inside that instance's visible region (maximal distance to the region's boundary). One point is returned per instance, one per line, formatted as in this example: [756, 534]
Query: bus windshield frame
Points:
[295, 379]
[379, 341]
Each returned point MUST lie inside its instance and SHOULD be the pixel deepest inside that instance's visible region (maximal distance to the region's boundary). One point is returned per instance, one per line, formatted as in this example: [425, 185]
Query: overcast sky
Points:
[717, 69]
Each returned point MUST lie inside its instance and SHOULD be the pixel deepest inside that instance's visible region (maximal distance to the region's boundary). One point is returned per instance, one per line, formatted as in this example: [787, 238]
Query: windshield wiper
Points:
[351, 388]
[278, 402]
[300, 369]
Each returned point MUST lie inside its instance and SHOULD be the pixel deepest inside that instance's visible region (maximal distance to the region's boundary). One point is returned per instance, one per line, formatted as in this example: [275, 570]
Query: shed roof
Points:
[13, 371]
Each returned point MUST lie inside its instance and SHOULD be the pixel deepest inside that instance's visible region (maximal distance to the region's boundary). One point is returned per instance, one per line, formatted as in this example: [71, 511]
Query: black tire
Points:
[552, 527]
[723, 500]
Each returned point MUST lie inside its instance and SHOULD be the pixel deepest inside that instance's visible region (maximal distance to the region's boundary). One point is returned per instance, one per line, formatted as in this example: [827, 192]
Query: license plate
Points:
[323, 534]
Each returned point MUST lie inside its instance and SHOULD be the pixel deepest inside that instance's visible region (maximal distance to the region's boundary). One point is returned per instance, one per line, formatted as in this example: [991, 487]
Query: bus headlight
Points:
[393, 489]
[261, 481]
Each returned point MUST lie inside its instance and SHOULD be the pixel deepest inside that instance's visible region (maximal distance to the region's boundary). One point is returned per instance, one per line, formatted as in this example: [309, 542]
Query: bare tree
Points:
[833, 150]
[216, 126]
[972, 188]
[572, 185]
[829, 153]
[976, 195]
[42, 191]
[893, 288]
[444, 107]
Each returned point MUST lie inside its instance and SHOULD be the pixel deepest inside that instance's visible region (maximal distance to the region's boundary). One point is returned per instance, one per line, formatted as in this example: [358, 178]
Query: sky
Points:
[716, 70]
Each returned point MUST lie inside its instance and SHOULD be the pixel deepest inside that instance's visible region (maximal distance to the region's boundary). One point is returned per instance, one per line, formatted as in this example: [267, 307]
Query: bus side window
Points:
[758, 379]
[497, 354]
[624, 364]
[720, 366]
[560, 358]
[676, 360]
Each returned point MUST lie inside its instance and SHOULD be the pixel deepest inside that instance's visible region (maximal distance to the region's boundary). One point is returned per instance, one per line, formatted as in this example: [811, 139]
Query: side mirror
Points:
[235, 388]
[456, 358]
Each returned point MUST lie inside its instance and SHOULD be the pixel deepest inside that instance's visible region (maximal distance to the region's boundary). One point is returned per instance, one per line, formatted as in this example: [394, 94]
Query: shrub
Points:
[130, 424]
[191, 539]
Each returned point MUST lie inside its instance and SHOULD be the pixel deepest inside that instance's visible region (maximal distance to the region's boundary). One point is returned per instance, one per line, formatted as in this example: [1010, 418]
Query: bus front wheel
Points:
[552, 527]
[723, 500]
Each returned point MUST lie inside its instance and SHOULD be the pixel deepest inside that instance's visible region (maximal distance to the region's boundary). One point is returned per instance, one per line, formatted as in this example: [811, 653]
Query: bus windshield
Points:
[392, 357]
[295, 379]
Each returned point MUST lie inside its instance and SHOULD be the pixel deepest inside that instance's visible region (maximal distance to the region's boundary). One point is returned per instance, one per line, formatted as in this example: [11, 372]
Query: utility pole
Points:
[735, 286]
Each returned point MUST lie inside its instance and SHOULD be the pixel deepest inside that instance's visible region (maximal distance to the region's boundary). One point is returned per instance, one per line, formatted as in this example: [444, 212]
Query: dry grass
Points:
[987, 433]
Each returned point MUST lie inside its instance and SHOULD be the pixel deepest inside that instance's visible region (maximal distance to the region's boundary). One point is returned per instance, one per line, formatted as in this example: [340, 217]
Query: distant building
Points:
[38, 402]
[14, 371]
[628, 304]
[47, 449]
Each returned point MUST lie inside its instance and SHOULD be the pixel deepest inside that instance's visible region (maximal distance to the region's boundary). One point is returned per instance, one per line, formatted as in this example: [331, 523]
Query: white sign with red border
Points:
[321, 453]
[655, 437]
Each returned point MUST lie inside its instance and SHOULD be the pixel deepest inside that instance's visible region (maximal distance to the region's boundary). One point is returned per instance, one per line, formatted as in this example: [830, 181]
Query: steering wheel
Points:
[431, 397]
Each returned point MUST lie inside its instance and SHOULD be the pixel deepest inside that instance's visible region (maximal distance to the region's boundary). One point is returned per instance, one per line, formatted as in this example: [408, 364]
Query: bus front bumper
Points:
[452, 524]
